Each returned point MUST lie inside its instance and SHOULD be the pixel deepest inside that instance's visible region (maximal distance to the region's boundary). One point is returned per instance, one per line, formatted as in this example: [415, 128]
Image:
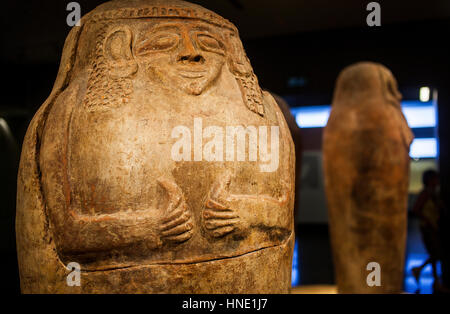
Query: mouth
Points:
[192, 74]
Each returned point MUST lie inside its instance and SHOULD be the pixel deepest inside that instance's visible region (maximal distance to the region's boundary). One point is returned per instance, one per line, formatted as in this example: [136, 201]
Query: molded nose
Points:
[189, 54]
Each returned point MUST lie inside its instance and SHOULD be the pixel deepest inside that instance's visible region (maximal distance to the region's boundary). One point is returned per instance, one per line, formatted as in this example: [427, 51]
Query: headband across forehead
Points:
[162, 12]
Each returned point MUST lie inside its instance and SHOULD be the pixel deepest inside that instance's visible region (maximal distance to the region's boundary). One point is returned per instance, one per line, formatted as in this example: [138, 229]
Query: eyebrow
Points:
[212, 29]
[175, 26]
[158, 28]
[203, 28]
[164, 27]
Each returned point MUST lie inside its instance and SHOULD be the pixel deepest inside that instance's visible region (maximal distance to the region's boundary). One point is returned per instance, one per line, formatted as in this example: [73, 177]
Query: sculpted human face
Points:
[185, 55]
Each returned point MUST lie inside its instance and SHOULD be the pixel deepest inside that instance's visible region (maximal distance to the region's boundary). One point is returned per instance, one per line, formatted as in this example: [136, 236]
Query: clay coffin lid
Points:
[132, 9]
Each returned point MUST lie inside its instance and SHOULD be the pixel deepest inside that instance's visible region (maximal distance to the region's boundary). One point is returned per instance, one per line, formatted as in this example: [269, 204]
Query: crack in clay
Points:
[180, 263]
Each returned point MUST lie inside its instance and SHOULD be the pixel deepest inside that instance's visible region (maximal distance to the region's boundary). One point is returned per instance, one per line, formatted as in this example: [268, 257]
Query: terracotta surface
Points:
[296, 134]
[366, 165]
[314, 289]
[98, 184]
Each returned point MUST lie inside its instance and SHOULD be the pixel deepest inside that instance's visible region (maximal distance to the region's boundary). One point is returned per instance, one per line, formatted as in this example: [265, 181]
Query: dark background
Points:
[296, 48]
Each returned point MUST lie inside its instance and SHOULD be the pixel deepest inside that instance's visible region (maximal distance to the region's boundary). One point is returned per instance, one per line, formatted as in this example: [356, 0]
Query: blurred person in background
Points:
[429, 209]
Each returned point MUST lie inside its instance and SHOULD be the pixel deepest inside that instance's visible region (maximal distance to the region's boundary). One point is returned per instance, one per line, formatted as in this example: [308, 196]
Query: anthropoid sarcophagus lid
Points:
[366, 166]
[157, 164]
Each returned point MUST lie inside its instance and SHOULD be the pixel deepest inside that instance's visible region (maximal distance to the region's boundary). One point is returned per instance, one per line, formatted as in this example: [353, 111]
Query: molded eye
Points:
[159, 42]
[208, 42]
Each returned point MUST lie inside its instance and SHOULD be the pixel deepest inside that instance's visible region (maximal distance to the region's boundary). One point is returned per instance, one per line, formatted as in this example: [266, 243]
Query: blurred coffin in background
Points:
[366, 166]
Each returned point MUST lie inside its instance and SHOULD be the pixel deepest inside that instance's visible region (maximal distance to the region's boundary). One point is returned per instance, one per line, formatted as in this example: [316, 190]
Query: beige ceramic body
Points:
[98, 184]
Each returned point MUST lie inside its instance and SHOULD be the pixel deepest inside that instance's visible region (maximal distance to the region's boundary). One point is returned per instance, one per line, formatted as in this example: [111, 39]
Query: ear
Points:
[117, 52]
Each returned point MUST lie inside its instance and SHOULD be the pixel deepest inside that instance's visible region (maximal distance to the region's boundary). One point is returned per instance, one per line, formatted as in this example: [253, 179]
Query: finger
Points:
[181, 237]
[216, 205]
[211, 214]
[173, 191]
[174, 214]
[222, 231]
[177, 221]
[177, 230]
[218, 223]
